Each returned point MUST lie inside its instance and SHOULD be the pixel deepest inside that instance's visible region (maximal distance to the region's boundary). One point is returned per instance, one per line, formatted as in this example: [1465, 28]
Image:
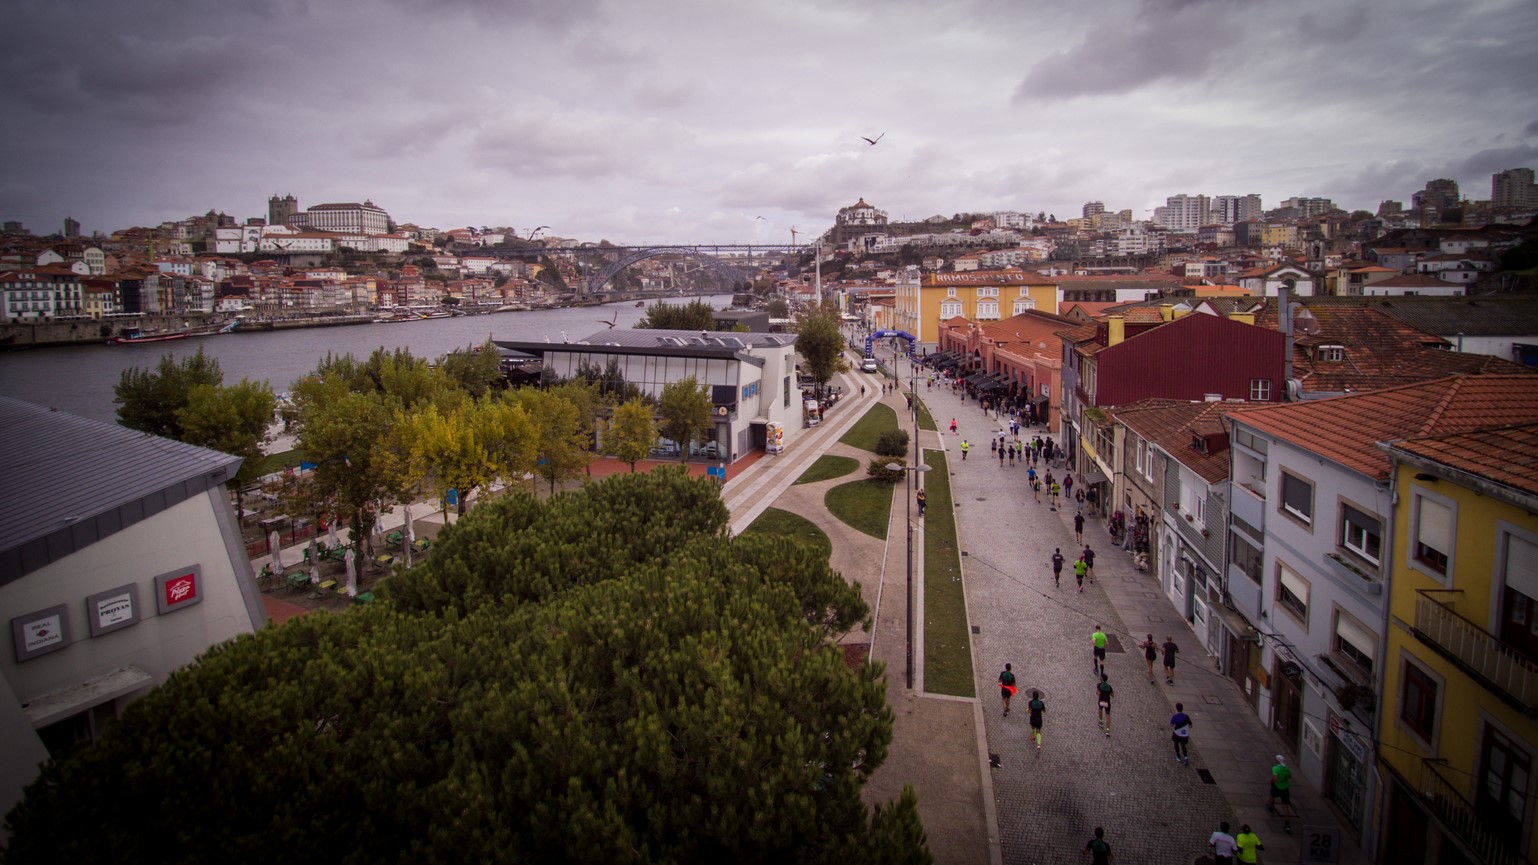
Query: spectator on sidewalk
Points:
[921, 500]
[1170, 651]
[1223, 845]
[1180, 734]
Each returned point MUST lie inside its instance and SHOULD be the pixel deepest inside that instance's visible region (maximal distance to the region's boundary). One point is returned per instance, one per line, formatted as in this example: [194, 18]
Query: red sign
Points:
[181, 589]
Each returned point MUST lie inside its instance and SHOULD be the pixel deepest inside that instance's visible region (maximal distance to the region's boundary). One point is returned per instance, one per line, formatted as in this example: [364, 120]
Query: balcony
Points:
[1497, 666]
[1249, 504]
[1462, 819]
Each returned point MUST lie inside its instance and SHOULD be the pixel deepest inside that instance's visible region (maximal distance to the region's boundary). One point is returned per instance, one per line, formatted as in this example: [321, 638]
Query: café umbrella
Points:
[274, 544]
[314, 563]
[406, 537]
[352, 573]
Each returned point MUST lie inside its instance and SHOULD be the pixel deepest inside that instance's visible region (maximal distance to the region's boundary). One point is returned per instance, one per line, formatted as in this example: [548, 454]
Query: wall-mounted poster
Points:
[39, 633]
[179, 589]
[112, 609]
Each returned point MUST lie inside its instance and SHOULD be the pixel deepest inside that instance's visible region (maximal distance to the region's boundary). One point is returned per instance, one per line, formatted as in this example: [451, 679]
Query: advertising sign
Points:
[39, 633]
[179, 589]
[112, 609]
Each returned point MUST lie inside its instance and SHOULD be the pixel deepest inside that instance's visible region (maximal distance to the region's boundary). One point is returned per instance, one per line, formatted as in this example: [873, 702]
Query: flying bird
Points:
[872, 141]
[758, 217]
[611, 320]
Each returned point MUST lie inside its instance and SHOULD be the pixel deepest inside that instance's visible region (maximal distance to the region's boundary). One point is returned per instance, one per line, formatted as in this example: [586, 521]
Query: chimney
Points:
[1115, 330]
[1166, 312]
[1181, 312]
[1242, 317]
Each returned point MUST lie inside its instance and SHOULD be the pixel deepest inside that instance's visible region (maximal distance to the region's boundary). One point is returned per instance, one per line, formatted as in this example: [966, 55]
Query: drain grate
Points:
[1205, 776]
[1211, 700]
[993, 760]
[1156, 618]
[976, 629]
[1114, 645]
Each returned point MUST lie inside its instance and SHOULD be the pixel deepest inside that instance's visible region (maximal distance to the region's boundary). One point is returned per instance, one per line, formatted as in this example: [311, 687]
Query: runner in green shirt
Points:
[1281, 784]
[1248, 843]
[1079, 567]
[1100, 640]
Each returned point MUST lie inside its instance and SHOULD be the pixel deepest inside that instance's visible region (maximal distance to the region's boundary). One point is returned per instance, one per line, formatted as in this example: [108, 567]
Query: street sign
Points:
[1321, 844]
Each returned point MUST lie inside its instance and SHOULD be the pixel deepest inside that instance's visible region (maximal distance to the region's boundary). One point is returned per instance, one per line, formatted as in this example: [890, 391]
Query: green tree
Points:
[475, 370]
[563, 439]
[149, 400]
[696, 315]
[441, 451]
[819, 342]
[231, 419]
[778, 308]
[606, 676]
[685, 412]
[632, 433]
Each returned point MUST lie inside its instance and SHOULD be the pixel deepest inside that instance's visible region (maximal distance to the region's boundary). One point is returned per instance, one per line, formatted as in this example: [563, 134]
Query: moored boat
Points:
[134, 336]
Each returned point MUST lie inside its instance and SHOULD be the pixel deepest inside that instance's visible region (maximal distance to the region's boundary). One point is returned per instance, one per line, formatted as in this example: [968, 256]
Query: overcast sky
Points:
[686, 120]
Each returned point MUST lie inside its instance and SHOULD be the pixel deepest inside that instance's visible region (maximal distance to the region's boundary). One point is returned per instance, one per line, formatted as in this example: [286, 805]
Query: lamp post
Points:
[908, 476]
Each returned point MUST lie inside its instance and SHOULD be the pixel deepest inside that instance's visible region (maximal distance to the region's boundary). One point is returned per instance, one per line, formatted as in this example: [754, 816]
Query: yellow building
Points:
[1458, 740]
[924, 300]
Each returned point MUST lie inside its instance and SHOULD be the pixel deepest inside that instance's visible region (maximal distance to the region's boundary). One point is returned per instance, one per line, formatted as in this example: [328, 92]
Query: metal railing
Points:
[1462, 818]
[1495, 664]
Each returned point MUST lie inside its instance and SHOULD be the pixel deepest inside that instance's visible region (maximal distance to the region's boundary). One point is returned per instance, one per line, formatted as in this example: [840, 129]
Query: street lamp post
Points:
[908, 476]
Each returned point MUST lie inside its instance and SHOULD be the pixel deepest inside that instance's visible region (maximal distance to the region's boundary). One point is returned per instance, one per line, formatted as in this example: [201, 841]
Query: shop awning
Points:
[58, 705]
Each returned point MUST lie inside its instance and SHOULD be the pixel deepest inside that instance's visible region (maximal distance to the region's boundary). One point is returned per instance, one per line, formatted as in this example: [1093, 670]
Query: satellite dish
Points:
[1304, 322]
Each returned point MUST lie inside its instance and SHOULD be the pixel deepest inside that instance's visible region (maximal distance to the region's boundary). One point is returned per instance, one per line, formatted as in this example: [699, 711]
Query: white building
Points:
[365, 218]
[1229, 209]
[38, 294]
[120, 562]
[751, 376]
[1184, 213]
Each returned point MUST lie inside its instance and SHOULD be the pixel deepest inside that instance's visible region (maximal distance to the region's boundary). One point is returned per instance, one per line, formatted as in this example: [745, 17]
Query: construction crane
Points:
[792, 235]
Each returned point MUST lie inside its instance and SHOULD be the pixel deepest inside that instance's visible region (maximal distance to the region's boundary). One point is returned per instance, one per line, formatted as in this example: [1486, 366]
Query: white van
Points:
[868, 365]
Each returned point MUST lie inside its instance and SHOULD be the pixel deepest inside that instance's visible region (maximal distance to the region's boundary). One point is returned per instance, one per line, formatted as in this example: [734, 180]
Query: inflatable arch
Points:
[870, 341]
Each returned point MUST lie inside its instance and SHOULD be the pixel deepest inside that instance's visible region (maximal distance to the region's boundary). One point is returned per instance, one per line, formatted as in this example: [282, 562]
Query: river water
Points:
[79, 379]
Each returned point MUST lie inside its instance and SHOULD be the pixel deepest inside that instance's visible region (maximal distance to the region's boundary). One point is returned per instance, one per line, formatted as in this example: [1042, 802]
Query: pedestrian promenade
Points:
[1154, 809]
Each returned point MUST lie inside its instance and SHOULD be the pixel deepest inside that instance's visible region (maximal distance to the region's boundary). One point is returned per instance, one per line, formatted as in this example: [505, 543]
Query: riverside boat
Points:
[136, 336]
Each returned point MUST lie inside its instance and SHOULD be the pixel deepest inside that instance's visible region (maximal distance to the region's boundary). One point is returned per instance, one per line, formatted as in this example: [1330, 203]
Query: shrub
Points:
[892, 443]
[877, 469]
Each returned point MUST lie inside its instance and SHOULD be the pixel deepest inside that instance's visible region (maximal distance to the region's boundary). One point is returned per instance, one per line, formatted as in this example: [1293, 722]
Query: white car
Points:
[868, 365]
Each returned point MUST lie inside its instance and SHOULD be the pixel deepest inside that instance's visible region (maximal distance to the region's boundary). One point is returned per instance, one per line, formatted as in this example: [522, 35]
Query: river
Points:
[79, 379]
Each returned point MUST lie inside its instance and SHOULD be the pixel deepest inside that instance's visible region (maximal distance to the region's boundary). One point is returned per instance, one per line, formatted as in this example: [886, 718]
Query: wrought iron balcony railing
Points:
[1496, 665]
[1462, 818]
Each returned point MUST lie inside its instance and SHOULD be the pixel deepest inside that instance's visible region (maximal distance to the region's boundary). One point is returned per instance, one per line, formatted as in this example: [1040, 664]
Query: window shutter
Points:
[1358, 636]
[1434, 527]
[1522, 566]
[1294, 583]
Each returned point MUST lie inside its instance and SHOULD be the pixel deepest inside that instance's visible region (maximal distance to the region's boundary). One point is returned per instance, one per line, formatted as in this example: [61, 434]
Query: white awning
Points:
[58, 705]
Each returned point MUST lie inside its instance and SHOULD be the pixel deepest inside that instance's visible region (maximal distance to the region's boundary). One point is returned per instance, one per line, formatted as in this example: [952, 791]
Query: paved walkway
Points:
[1153, 809]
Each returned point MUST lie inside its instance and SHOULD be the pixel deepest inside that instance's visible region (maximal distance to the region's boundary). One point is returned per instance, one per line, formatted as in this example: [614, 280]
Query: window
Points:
[1354, 642]
[1298, 497]
[988, 292]
[1292, 593]
[1418, 701]
[1431, 541]
[1142, 457]
[1260, 390]
[1331, 353]
[988, 309]
[1519, 600]
[1361, 533]
[1247, 558]
[1023, 305]
[1201, 511]
[950, 292]
[950, 309]
[1505, 774]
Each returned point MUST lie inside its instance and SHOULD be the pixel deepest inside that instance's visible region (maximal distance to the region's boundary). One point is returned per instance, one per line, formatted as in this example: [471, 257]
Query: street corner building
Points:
[120, 562]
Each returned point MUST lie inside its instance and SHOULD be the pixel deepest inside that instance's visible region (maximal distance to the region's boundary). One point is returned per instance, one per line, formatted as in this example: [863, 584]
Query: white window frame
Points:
[1418, 497]
[1360, 550]
[1330, 353]
[987, 309]
[1260, 390]
[988, 292]
[1024, 304]
[1281, 494]
[1524, 580]
[950, 309]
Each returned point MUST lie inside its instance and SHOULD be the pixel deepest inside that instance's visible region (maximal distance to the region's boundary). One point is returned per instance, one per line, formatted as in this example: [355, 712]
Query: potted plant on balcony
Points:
[1353, 696]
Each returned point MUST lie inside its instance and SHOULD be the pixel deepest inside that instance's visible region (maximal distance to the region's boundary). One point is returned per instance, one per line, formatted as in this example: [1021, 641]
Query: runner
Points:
[953, 426]
[1100, 640]
[1078, 528]
[1180, 727]
[1281, 791]
[921, 500]
[1248, 843]
[1078, 571]
[1006, 687]
[965, 446]
[1223, 845]
[1057, 567]
[1170, 651]
[1089, 562]
[1056, 490]
[1149, 647]
[1099, 851]
[1103, 693]
[1036, 706]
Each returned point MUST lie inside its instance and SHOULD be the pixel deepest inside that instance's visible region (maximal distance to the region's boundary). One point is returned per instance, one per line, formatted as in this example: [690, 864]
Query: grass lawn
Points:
[926, 420]
[827, 467]
[279, 461]
[869, 428]
[947, 640]
[864, 505]
[777, 522]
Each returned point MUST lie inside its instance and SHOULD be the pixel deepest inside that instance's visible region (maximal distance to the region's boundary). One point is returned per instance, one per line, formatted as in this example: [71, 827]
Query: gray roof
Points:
[670, 343]
[71, 481]
[1475, 315]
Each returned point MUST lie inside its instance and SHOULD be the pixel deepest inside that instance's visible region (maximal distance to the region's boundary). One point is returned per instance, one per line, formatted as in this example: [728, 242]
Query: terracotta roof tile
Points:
[1347, 429]
[1505, 455]
[1173, 425]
